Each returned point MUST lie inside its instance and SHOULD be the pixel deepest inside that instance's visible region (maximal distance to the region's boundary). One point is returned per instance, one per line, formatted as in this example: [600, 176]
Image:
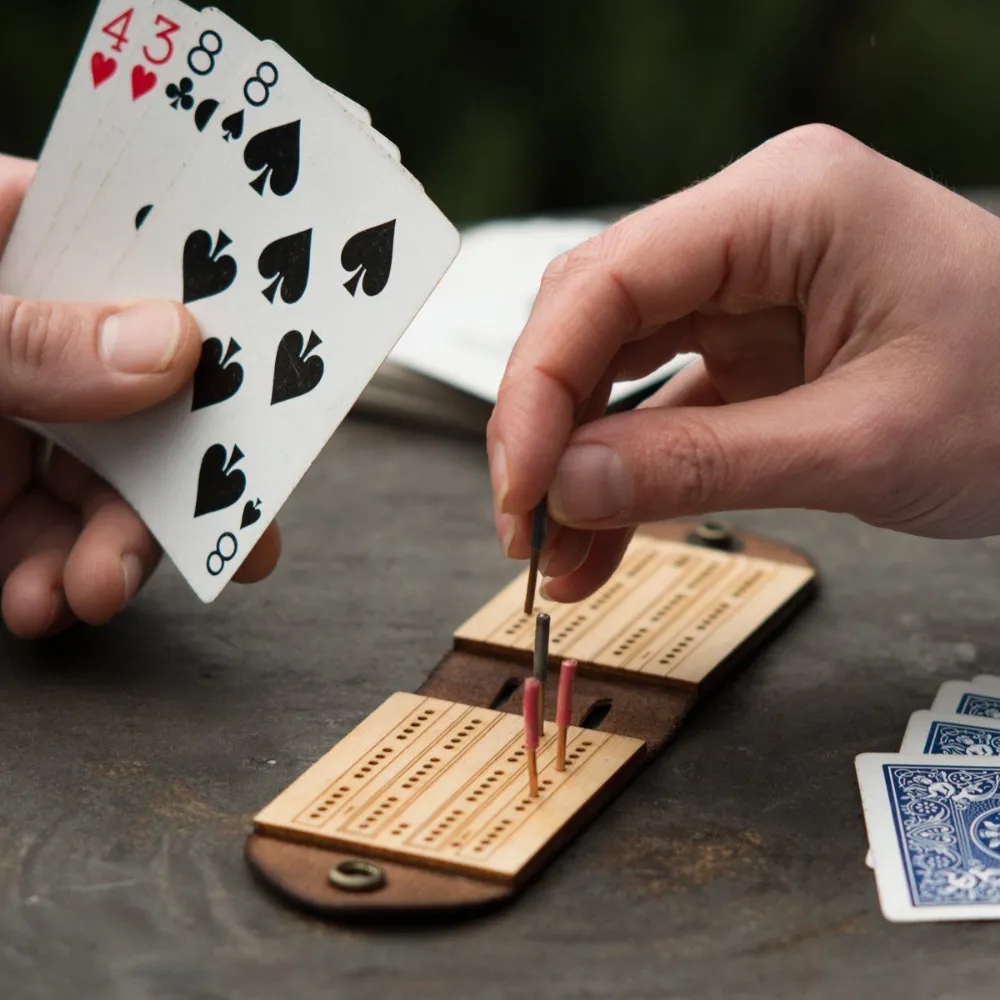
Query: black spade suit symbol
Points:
[251, 513]
[369, 255]
[219, 484]
[274, 152]
[295, 373]
[286, 261]
[141, 215]
[203, 113]
[205, 272]
[232, 125]
[215, 378]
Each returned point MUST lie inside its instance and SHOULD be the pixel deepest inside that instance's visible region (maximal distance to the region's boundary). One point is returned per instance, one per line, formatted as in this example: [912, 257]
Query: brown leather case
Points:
[646, 710]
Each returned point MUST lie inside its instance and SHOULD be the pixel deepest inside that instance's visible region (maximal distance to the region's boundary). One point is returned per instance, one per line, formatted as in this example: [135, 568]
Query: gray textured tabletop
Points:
[134, 756]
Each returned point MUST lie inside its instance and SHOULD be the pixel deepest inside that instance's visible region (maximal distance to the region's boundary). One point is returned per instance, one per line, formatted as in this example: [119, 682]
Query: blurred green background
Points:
[538, 105]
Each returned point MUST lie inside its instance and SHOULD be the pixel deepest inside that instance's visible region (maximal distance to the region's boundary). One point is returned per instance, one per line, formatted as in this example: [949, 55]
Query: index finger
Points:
[711, 243]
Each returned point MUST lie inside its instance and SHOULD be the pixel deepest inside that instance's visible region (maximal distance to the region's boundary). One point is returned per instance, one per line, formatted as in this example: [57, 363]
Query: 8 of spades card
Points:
[303, 249]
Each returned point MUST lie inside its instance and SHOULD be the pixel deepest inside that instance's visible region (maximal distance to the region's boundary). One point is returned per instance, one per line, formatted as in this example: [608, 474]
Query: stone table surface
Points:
[134, 756]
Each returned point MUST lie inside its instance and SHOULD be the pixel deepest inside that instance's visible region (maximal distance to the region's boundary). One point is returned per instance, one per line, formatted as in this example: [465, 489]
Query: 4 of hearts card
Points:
[236, 183]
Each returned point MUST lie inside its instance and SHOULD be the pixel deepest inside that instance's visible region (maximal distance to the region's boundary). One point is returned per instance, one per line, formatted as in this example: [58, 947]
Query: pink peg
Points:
[564, 706]
[532, 689]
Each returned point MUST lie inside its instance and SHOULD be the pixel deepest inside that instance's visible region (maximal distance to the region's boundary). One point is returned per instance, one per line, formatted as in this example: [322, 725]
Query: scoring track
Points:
[446, 783]
[671, 611]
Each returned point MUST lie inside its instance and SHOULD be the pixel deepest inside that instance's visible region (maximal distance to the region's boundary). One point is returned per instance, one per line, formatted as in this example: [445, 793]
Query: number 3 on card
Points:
[164, 35]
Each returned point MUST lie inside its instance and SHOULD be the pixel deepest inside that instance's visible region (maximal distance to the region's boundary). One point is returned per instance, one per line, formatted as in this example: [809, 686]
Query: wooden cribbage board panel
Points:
[445, 784]
[671, 611]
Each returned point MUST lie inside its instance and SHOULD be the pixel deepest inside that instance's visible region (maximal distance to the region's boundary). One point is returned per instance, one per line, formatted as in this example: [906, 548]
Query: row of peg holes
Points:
[413, 725]
[442, 827]
[748, 583]
[518, 625]
[630, 641]
[416, 776]
[689, 639]
[721, 609]
[456, 739]
[367, 768]
[332, 798]
[525, 802]
[605, 595]
[571, 626]
[642, 564]
[702, 576]
[668, 607]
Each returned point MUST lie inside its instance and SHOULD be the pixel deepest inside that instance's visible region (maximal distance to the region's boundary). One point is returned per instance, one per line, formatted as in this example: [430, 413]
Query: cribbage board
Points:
[427, 779]
[424, 806]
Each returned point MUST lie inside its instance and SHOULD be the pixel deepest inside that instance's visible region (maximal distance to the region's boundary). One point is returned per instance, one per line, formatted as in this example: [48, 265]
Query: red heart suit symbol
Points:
[102, 68]
[143, 81]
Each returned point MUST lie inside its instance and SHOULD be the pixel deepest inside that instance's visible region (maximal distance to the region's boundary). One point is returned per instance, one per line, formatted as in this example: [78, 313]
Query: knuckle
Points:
[815, 142]
[821, 162]
[579, 259]
[697, 469]
[34, 337]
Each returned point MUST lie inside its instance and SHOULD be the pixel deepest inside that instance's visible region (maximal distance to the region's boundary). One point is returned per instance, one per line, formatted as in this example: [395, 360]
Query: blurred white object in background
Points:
[465, 332]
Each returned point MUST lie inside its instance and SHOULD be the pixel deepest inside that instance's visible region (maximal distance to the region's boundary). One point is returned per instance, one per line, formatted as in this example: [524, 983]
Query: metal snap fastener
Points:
[356, 875]
[713, 535]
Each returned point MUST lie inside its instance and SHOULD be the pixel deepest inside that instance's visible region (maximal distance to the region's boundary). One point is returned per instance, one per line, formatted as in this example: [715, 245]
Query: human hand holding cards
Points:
[191, 162]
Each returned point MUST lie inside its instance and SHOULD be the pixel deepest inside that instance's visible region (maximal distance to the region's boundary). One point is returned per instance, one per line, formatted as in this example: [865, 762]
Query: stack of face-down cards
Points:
[933, 810]
[191, 161]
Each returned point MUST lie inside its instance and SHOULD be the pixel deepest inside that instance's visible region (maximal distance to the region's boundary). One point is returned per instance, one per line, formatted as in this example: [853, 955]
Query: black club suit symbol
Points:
[179, 94]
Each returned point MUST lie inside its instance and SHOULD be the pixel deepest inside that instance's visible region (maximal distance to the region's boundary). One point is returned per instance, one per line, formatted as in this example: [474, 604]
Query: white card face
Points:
[464, 334]
[215, 50]
[212, 51]
[152, 35]
[968, 698]
[110, 52]
[303, 250]
[987, 680]
[934, 827]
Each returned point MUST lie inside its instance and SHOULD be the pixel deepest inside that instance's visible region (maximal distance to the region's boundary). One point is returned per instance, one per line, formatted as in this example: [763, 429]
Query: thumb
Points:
[64, 361]
[807, 447]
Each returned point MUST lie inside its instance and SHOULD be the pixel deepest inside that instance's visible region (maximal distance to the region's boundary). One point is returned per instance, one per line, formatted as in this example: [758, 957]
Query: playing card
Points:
[147, 37]
[214, 49]
[111, 54]
[109, 202]
[251, 234]
[968, 698]
[987, 680]
[936, 732]
[934, 826]
[931, 732]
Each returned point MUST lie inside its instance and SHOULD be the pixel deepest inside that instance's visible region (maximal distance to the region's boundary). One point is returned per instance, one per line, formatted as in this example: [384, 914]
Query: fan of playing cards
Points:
[191, 161]
[933, 810]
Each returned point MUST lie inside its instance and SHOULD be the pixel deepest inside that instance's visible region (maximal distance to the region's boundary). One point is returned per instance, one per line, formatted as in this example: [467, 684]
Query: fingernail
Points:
[543, 590]
[141, 340]
[507, 533]
[57, 606]
[498, 474]
[132, 571]
[551, 548]
[589, 485]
